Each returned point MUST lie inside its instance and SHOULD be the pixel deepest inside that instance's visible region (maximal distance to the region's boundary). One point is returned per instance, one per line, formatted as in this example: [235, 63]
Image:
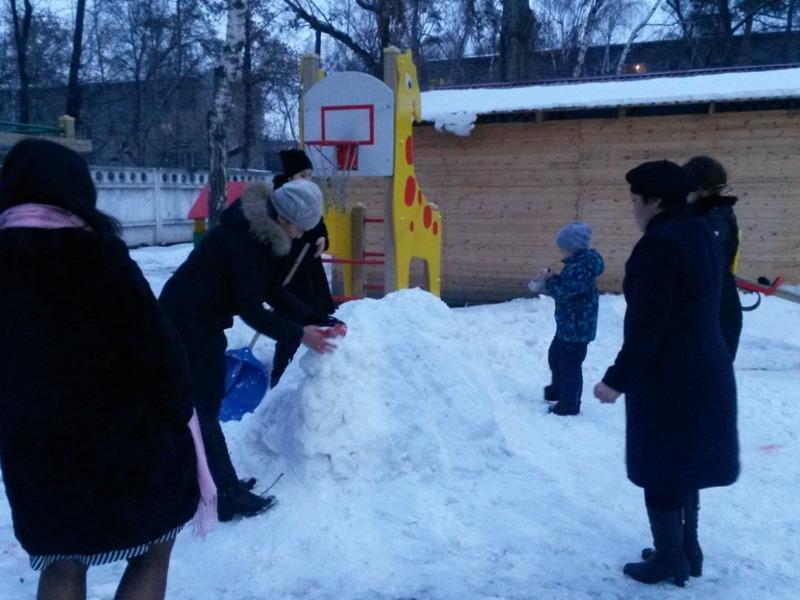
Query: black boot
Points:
[551, 393]
[248, 484]
[691, 545]
[238, 502]
[563, 409]
[669, 560]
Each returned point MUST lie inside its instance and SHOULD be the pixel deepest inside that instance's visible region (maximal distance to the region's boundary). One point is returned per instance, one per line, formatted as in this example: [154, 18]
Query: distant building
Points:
[157, 123]
[656, 56]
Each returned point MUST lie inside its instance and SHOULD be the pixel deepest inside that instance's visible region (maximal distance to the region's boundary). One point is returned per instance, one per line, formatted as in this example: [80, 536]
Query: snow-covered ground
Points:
[419, 462]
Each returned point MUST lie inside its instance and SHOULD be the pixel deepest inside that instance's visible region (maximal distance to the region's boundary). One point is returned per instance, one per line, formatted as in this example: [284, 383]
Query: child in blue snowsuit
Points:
[575, 293]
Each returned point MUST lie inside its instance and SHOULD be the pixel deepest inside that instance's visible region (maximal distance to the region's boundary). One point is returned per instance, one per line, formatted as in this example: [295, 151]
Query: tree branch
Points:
[366, 6]
[749, 15]
[340, 36]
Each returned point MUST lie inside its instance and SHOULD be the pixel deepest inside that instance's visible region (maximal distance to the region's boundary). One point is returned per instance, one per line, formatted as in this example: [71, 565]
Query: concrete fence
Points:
[152, 204]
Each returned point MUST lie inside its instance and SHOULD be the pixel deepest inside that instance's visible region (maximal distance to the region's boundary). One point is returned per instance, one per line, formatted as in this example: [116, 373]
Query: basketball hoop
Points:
[334, 162]
[348, 128]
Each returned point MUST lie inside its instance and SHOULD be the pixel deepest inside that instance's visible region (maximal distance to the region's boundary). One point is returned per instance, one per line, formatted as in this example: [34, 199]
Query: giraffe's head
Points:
[408, 96]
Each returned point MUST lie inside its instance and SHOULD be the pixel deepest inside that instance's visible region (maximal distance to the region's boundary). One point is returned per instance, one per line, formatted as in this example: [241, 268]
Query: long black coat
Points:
[309, 282]
[718, 210]
[94, 397]
[674, 367]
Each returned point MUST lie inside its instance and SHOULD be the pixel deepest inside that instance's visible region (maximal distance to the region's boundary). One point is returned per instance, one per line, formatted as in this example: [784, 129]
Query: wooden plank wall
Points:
[506, 189]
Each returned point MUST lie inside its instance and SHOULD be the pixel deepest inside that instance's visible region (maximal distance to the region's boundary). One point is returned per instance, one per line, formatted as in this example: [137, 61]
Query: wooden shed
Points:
[524, 161]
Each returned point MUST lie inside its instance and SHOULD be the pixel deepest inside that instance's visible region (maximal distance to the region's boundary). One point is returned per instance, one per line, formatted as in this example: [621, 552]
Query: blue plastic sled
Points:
[246, 382]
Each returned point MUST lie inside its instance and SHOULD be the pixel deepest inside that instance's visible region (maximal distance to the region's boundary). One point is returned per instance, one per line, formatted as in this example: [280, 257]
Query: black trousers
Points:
[565, 360]
[730, 317]
[208, 368]
[284, 353]
[660, 500]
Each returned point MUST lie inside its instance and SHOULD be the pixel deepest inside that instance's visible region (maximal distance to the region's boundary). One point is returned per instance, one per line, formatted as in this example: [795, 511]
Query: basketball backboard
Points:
[348, 125]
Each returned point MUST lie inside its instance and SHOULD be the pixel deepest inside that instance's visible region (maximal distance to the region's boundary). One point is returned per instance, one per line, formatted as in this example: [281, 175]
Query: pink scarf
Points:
[45, 216]
[206, 516]
[40, 216]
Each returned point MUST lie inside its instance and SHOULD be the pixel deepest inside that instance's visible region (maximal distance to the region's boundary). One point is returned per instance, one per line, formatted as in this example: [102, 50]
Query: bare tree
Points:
[461, 30]
[73, 85]
[389, 16]
[269, 80]
[319, 22]
[791, 8]
[634, 34]
[248, 87]
[22, 29]
[145, 65]
[713, 24]
[365, 27]
[681, 15]
[8, 66]
[592, 16]
[517, 40]
[488, 25]
[570, 28]
[224, 75]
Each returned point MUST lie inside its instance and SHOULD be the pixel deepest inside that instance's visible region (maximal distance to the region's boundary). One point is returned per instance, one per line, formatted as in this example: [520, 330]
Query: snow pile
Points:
[394, 435]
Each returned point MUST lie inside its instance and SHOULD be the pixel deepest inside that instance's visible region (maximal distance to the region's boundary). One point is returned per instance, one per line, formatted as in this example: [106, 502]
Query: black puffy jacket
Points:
[233, 271]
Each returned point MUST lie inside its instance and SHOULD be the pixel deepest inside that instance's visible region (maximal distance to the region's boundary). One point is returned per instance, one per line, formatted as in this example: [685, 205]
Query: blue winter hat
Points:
[575, 236]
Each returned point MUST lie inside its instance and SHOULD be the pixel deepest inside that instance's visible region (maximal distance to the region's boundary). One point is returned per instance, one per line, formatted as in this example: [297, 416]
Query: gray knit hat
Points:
[575, 236]
[299, 202]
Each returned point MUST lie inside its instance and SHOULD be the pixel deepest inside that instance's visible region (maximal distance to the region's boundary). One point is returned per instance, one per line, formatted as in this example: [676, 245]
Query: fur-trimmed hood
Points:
[250, 212]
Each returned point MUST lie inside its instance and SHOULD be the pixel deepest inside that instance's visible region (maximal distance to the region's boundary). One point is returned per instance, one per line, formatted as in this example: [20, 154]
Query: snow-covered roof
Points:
[455, 109]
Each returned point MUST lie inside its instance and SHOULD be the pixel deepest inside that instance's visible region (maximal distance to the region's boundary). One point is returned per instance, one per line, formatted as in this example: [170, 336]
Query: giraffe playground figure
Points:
[417, 223]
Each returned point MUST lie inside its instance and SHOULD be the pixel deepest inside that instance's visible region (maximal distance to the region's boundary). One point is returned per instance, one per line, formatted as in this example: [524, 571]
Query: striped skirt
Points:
[40, 563]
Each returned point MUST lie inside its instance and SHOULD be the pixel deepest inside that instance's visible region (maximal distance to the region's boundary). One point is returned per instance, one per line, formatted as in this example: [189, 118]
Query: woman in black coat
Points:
[95, 397]
[233, 271]
[674, 370]
[718, 210]
[309, 283]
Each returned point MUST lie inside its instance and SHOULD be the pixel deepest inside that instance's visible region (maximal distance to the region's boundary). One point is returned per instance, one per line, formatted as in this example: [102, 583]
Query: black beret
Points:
[279, 180]
[294, 161]
[662, 179]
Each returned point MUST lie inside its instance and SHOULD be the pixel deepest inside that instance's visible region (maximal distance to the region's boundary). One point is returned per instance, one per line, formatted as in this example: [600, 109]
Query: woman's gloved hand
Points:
[318, 339]
[337, 327]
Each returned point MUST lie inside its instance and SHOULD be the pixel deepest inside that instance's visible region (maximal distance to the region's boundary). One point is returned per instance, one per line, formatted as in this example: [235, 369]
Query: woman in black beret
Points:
[674, 369]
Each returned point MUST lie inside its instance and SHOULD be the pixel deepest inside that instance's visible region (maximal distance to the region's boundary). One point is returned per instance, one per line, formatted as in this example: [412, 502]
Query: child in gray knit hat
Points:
[575, 293]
